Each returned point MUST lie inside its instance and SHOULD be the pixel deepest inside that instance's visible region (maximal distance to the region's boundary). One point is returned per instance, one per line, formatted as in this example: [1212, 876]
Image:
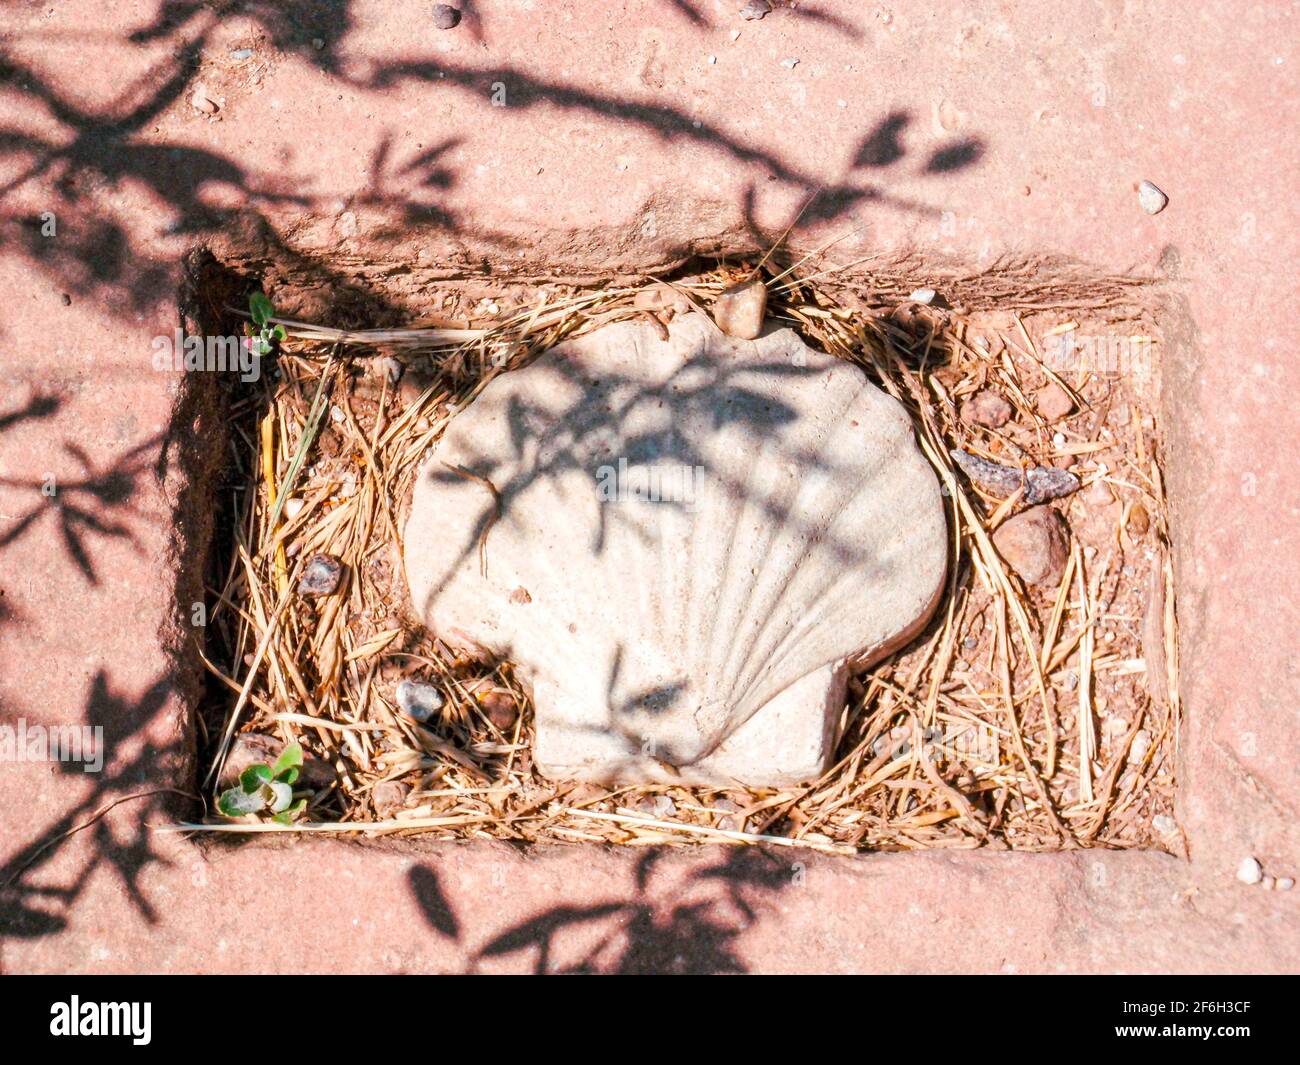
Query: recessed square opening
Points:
[1030, 716]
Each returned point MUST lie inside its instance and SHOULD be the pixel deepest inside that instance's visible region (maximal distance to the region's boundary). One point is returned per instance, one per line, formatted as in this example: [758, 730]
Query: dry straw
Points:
[998, 727]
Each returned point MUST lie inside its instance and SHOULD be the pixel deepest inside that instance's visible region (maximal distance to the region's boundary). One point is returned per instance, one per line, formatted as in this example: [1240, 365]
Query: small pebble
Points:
[389, 796]
[1164, 824]
[240, 54]
[660, 806]
[1140, 745]
[1053, 402]
[500, 709]
[988, 408]
[1058, 439]
[1036, 544]
[201, 101]
[320, 576]
[923, 295]
[712, 59]
[1284, 883]
[445, 17]
[391, 368]
[336, 413]
[735, 35]
[1139, 521]
[292, 507]
[317, 43]
[790, 63]
[1153, 201]
[1267, 883]
[740, 309]
[755, 10]
[1249, 871]
[418, 699]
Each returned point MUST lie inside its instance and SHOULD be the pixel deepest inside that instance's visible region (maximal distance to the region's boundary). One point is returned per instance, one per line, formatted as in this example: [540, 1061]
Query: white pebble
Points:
[1151, 199]
[1164, 824]
[923, 295]
[735, 35]
[1058, 439]
[790, 63]
[1250, 871]
[713, 59]
[292, 507]
[1284, 883]
[1140, 745]
[336, 414]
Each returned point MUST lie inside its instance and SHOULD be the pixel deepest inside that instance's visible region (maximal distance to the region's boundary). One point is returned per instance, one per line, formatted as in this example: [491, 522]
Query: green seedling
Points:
[262, 310]
[267, 789]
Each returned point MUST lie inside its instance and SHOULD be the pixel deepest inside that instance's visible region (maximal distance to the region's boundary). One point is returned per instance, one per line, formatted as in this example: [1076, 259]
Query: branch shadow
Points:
[34, 903]
[648, 931]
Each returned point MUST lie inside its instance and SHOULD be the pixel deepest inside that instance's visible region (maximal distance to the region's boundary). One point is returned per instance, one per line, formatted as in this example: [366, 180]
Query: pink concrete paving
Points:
[956, 137]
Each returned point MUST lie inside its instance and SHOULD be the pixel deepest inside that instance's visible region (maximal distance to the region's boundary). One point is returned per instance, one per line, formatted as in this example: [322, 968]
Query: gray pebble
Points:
[320, 576]
[240, 54]
[419, 700]
[755, 10]
[1153, 201]
[445, 17]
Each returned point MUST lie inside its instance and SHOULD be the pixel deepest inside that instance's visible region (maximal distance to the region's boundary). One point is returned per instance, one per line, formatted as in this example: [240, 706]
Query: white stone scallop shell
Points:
[689, 539]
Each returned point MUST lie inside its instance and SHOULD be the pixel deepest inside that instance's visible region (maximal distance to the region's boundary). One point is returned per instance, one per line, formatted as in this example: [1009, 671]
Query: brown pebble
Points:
[1139, 521]
[987, 408]
[500, 709]
[389, 796]
[1053, 402]
[1036, 544]
[740, 309]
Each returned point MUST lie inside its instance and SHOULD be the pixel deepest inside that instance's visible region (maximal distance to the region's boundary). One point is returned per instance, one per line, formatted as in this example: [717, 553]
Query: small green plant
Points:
[267, 789]
[262, 310]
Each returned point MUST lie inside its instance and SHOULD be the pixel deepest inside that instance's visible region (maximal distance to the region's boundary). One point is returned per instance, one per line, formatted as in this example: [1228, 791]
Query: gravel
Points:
[1152, 200]
[1250, 871]
[445, 17]
[419, 700]
[320, 576]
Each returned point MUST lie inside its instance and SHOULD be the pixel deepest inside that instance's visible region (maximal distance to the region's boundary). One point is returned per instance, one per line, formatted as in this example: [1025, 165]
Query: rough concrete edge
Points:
[252, 248]
[186, 472]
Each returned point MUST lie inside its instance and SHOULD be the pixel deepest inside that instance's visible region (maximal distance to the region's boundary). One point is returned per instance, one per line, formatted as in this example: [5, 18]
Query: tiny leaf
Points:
[254, 777]
[289, 776]
[278, 333]
[236, 802]
[260, 308]
[286, 816]
[290, 758]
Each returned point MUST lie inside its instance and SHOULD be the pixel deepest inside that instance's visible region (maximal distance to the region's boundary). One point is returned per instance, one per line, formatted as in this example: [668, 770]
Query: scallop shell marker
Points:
[681, 544]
